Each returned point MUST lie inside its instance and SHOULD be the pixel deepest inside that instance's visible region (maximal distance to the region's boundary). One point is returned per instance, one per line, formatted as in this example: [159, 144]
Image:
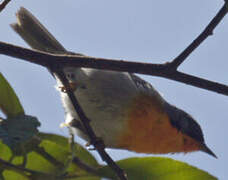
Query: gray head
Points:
[187, 125]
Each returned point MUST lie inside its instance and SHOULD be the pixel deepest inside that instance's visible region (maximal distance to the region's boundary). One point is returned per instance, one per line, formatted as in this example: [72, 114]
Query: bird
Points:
[126, 112]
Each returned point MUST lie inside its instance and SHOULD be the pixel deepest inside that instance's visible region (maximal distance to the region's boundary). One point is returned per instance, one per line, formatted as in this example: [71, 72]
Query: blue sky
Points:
[145, 31]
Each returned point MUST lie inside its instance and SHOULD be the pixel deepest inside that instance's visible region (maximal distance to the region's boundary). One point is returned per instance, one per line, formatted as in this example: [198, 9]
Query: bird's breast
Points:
[149, 129]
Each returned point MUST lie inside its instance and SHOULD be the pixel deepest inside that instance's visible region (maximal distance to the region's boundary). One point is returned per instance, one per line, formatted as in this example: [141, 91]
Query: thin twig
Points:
[84, 166]
[207, 32]
[95, 141]
[160, 70]
[21, 169]
[41, 151]
[3, 4]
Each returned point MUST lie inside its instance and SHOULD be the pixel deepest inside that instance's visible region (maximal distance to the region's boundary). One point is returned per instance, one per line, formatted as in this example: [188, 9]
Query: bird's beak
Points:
[206, 149]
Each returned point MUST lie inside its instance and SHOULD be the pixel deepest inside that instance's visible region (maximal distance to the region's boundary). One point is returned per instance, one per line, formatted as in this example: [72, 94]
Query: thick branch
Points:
[197, 82]
[160, 70]
[207, 32]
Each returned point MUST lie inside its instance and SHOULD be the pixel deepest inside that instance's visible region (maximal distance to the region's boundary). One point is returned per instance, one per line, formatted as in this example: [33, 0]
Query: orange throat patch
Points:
[149, 129]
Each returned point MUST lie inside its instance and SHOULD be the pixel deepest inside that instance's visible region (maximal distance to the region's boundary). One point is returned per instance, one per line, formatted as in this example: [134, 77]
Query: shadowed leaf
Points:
[50, 156]
[157, 168]
[81, 152]
[9, 102]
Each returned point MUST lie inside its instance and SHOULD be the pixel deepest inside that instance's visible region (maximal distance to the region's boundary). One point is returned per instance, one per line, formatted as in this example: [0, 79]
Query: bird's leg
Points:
[72, 86]
[97, 141]
[72, 148]
[71, 156]
[72, 145]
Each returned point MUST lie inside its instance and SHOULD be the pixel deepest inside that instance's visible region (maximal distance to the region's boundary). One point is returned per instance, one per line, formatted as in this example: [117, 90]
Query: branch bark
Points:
[22, 170]
[4, 4]
[207, 32]
[161, 70]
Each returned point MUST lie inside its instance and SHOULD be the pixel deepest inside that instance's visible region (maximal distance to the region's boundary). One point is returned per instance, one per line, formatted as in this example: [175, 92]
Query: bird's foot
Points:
[97, 142]
[72, 86]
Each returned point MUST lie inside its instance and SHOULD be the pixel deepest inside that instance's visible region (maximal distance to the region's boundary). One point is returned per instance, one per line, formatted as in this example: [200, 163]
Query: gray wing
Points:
[145, 87]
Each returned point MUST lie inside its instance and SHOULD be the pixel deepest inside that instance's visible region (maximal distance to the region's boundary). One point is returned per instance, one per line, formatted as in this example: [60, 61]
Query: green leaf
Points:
[53, 154]
[81, 152]
[13, 175]
[9, 102]
[5, 152]
[157, 168]
[50, 157]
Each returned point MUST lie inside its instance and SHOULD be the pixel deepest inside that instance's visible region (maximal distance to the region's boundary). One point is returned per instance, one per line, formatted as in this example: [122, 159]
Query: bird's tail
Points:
[35, 34]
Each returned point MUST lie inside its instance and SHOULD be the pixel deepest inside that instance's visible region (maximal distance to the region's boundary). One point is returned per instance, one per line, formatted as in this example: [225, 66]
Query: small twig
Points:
[85, 166]
[25, 159]
[20, 169]
[48, 157]
[8, 166]
[72, 152]
[160, 70]
[3, 4]
[77, 160]
[98, 143]
[207, 32]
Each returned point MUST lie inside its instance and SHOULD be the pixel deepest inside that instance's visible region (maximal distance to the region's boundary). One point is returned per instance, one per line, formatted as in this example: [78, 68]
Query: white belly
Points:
[103, 96]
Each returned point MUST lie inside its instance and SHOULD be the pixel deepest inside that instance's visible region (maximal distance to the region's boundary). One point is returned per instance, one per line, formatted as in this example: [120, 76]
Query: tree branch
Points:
[207, 32]
[20, 169]
[4, 4]
[160, 70]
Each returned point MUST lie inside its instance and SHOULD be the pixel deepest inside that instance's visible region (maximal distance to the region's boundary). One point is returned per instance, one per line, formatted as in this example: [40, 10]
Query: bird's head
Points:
[185, 123]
